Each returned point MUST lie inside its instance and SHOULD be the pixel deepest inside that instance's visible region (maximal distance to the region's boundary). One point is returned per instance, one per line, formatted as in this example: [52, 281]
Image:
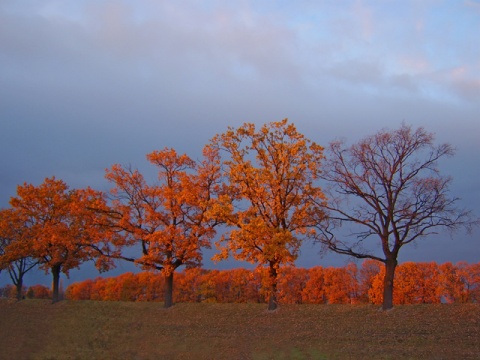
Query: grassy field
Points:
[35, 329]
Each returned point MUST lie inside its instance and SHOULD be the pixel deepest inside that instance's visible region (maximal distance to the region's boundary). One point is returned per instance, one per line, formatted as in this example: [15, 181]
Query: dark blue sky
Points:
[87, 84]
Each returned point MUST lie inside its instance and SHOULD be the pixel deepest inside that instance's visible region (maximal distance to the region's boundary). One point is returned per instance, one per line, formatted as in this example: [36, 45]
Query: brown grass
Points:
[35, 329]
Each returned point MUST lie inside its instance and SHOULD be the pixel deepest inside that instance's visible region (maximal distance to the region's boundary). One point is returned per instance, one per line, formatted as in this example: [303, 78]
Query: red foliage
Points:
[415, 283]
[39, 292]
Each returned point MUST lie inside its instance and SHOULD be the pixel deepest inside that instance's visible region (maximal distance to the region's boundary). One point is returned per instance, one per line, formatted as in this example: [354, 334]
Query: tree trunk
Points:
[56, 280]
[272, 301]
[390, 266]
[168, 297]
[19, 286]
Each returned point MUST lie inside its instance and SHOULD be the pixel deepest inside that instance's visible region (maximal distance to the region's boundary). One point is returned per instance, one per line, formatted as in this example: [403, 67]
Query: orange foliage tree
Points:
[460, 282]
[271, 195]
[370, 281]
[387, 187]
[340, 285]
[13, 227]
[417, 283]
[188, 284]
[470, 276]
[168, 222]
[292, 283]
[314, 291]
[80, 290]
[39, 292]
[56, 228]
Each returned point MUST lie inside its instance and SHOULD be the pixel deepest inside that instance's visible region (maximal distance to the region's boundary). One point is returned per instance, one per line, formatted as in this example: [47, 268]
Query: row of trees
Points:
[415, 283]
[270, 189]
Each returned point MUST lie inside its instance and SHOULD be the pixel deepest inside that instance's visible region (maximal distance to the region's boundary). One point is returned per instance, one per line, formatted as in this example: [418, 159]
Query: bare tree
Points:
[388, 187]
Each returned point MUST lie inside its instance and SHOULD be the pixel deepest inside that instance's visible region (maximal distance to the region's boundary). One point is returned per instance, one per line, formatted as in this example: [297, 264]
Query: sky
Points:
[87, 84]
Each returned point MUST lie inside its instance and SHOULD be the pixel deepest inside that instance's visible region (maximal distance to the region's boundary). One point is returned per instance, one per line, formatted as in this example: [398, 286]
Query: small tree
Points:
[389, 187]
[271, 198]
[57, 228]
[12, 228]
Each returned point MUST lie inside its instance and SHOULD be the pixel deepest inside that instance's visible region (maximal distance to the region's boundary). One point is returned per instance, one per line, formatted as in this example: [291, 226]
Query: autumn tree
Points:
[291, 285]
[368, 274]
[341, 285]
[39, 292]
[167, 222]
[314, 291]
[416, 283]
[188, 288]
[55, 228]
[80, 290]
[460, 282]
[13, 227]
[389, 189]
[271, 174]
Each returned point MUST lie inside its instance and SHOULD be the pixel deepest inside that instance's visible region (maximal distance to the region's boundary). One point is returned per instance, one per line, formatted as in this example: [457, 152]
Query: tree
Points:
[369, 272]
[169, 222]
[460, 282]
[341, 285]
[271, 194]
[56, 228]
[12, 228]
[80, 290]
[388, 187]
[314, 291]
[39, 292]
[292, 283]
[470, 277]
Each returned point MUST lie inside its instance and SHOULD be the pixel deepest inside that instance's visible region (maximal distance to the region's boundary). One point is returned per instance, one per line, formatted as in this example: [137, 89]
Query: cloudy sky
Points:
[86, 84]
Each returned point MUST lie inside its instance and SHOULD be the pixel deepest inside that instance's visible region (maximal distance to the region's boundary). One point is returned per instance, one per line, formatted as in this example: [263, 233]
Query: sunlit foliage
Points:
[55, 227]
[168, 221]
[417, 283]
[272, 197]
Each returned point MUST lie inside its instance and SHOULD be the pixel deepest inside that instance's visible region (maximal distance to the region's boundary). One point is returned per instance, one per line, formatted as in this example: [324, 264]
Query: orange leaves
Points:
[270, 178]
[167, 219]
[53, 223]
[170, 163]
[171, 220]
[270, 175]
[54, 226]
[460, 282]
[317, 285]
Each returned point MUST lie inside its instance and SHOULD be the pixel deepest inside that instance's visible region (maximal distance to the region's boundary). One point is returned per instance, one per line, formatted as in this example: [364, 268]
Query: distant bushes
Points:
[414, 283]
[32, 292]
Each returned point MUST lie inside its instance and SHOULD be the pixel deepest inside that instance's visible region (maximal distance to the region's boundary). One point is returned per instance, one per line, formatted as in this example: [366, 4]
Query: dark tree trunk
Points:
[19, 286]
[168, 297]
[272, 301]
[56, 281]
[390, 266]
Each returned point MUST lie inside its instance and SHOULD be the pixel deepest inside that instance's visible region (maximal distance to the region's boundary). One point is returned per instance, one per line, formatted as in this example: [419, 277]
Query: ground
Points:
[36, 329]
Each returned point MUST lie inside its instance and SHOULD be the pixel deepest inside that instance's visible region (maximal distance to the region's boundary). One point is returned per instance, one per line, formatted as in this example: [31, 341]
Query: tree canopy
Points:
[273, 198]
[54, 227]
[168, 221]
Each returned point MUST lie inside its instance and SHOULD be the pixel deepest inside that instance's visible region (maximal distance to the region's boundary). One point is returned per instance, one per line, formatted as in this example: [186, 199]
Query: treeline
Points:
[415, 283]
[257, 194]
[32, 292]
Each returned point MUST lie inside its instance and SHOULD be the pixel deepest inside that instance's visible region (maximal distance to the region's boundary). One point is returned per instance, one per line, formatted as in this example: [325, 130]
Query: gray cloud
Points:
[87, 84]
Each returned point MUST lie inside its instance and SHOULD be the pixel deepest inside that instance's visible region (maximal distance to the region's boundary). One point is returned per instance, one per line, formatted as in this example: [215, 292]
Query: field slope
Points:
[35, 329]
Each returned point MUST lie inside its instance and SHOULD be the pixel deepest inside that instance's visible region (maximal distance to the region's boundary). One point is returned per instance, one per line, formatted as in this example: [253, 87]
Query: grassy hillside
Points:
[35, 329]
